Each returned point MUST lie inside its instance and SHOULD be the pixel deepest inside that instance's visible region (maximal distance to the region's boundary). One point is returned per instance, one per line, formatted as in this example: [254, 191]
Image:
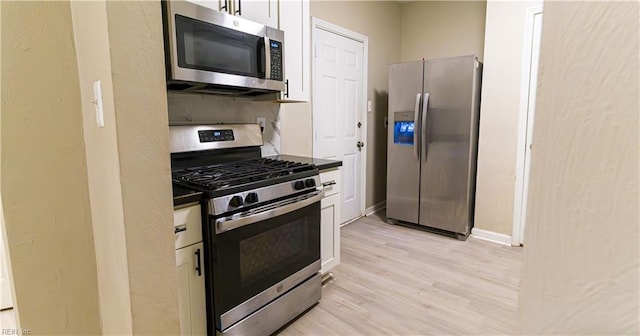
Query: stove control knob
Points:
[235, 202]
[310, 183]
[299, 185]
[251, 198]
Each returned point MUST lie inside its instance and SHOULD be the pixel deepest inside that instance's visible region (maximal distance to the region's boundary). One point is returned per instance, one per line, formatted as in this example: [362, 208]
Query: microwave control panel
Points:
[276, 60]
[216, 135]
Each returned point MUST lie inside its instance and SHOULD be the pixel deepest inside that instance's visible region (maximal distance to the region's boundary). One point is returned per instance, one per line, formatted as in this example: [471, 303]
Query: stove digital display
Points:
[216, 135]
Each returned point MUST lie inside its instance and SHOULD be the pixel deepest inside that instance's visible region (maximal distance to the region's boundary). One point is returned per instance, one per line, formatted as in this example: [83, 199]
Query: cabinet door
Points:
[218, 5]
[187, 224]
[330, 232]
[261, 11]
[191, 295]
[294, 21]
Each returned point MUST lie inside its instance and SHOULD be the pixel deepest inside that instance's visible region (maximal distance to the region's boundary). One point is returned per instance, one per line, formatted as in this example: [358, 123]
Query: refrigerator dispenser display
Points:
[403, 128]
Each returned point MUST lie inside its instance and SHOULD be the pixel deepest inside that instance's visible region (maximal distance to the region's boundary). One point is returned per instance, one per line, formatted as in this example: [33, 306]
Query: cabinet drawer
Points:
[330, 180]
[187, 224]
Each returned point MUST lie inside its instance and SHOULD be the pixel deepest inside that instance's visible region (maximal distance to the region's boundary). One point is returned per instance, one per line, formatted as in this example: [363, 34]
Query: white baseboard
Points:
[491, 236]
[375, 208]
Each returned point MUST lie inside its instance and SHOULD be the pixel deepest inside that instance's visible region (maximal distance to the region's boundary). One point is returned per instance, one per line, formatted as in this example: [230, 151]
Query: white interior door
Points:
[338, 82]
[532, 57]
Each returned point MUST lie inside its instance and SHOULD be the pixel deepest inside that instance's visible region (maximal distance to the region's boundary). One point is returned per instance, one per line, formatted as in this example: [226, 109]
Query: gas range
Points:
[238, 174]
[243, 184]
[261, 227]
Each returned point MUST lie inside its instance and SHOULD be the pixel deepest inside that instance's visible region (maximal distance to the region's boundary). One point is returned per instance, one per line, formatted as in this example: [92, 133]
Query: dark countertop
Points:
[322, 164]
[183, 195]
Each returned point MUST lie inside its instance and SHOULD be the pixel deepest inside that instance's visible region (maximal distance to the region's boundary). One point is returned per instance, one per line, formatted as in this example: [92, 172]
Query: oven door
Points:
[260, 256]
[207, 46]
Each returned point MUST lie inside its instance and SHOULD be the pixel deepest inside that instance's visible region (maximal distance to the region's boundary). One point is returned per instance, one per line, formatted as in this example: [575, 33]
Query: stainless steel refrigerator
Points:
[434, 108]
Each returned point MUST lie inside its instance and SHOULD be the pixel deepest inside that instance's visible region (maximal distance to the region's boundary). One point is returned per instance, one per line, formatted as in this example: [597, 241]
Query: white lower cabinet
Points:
[190, 268]
[330, 220]
[330, 232]
[191, 296]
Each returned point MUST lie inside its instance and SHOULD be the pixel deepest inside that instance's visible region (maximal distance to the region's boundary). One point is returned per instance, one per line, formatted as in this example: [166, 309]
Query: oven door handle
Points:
[225, 224]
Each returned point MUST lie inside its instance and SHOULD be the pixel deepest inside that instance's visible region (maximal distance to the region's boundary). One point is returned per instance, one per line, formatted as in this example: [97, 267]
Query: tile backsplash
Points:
[193, 109]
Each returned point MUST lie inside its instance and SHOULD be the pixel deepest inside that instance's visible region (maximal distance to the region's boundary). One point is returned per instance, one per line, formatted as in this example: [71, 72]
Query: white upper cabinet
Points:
[215, 5]
[294, 21]
[261, 11]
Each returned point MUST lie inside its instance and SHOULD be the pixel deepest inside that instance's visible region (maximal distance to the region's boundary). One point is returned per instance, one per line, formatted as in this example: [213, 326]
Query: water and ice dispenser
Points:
[403, 128]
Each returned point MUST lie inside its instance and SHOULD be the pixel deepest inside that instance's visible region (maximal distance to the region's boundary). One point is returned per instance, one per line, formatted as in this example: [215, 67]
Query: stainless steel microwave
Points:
[208, 51]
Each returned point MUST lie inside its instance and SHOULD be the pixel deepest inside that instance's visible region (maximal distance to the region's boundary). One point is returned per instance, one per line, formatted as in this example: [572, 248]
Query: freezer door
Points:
[449, 142]
[403, 150]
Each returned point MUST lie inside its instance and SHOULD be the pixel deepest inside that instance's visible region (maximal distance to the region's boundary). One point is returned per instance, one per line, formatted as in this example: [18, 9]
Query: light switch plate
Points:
[369, 106]
[97, 101]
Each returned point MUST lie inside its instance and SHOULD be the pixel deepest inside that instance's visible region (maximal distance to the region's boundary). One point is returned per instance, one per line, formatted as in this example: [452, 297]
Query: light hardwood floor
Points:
[394, 280]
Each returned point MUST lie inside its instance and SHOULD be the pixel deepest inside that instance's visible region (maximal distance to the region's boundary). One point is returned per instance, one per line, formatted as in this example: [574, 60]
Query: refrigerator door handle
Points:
[425, 103]
[416, 143]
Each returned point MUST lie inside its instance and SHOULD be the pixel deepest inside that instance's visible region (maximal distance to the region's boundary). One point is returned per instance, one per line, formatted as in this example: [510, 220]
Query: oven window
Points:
[272, 250]
[209, 47]
[252, 258]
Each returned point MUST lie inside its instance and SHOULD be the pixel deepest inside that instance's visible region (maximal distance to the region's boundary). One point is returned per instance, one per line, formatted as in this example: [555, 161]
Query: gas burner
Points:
[233, 174]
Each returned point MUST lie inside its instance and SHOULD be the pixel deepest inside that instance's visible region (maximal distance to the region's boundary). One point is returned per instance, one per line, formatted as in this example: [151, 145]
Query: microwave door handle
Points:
[267, 58]
[416, 125]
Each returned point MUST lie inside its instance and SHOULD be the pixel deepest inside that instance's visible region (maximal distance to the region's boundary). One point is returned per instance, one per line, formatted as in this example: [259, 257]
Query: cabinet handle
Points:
[198, 266]
[286, 92]
[239, 11]
[224, 7]
[328, 183]
[180, 228]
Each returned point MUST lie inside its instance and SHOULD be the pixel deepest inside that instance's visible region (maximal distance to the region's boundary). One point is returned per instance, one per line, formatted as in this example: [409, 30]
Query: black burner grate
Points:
[227, 175]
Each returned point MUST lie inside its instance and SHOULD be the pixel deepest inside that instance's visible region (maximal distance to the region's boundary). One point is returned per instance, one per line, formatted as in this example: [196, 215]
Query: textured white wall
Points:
[103, 166]
[581, 256]
[433, 29]
[140, 104]
[45, 190]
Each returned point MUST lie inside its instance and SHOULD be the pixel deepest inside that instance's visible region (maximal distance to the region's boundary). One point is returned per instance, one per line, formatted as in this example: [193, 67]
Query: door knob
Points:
[359, 124]
[360, 144]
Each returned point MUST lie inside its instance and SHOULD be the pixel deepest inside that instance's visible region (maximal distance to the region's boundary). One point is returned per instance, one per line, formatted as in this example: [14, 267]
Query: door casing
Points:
[525, 126]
